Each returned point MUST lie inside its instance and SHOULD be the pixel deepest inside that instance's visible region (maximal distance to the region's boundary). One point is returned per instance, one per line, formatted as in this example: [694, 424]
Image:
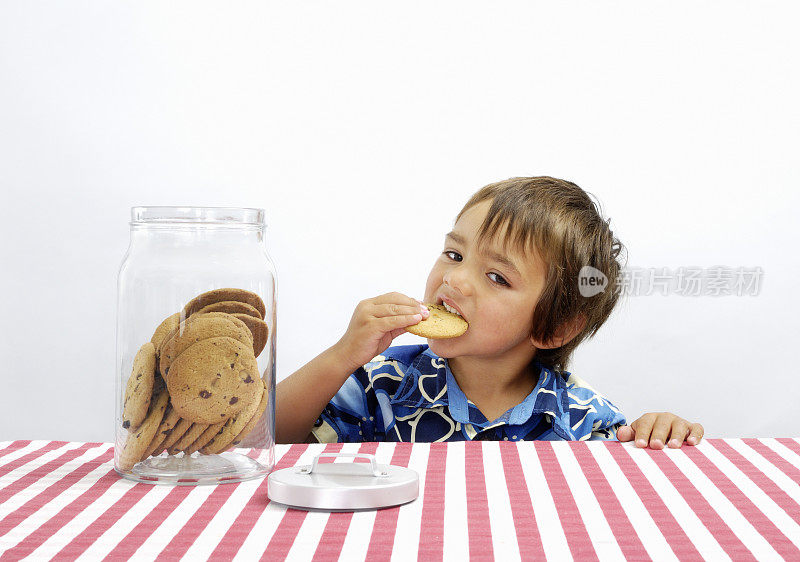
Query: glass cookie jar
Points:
[196, 341]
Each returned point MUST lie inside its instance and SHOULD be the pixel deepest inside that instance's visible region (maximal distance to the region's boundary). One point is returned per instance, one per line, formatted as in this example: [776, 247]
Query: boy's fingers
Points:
[390, 323]
[661, 428]
[696, 433]
[680, 430]
[643, 426]
[394, 333]
[394, 309]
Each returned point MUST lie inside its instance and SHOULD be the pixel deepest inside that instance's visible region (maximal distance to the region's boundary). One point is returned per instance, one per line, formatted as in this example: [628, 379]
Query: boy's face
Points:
[497, 299]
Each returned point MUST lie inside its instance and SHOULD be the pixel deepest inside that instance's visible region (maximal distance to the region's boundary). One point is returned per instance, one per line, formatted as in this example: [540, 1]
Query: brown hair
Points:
[559, 221]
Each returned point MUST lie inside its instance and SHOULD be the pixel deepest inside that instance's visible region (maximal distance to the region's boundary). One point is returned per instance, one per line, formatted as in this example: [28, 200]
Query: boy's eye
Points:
[500, 280]
[455, 256]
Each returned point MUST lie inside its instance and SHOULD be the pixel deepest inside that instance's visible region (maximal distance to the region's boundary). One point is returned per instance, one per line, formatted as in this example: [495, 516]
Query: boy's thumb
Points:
[625, 433]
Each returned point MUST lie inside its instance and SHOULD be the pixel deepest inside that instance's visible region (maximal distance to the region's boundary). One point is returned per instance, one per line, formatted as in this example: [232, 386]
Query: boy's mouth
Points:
[450, 306]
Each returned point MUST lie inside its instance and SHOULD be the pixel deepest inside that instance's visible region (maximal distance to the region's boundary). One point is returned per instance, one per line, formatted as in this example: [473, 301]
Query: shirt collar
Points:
[424, 384]
[429, 382]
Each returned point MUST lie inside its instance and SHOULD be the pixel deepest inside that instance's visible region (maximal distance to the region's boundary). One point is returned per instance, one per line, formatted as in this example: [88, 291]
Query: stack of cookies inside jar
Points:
[195, 386]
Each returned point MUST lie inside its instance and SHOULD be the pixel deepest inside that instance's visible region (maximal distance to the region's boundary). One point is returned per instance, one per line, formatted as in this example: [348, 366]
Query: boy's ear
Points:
[565, 333]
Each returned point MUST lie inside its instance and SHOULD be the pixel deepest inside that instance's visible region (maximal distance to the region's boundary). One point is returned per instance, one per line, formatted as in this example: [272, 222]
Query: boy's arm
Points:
[301, 397]
[600, 418]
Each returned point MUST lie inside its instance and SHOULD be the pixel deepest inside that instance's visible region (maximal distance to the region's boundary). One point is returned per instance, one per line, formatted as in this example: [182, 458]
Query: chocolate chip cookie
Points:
[138, 440]
[228, 294]
[213, 380]
[258, 329]
[139, 389]
[169, 324]
[231, 307]
[200, 327]
[234, 426]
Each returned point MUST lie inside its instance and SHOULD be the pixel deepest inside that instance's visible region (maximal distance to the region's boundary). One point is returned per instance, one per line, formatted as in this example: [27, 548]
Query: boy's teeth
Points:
[451, 309]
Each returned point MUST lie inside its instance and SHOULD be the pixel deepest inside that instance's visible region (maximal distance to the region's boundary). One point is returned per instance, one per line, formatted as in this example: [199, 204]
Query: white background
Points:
[362, 128]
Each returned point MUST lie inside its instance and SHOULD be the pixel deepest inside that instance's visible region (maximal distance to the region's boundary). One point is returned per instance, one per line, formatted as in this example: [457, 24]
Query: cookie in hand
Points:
[440, 324]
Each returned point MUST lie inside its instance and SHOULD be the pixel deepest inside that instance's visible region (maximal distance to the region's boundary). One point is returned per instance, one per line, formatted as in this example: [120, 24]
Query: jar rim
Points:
[164, 215]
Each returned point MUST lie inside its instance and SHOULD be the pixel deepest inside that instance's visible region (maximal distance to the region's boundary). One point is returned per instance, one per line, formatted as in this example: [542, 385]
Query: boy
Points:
[510, 268]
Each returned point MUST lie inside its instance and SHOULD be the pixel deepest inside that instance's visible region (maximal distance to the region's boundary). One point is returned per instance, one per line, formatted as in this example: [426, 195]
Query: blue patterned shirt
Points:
[409, 394]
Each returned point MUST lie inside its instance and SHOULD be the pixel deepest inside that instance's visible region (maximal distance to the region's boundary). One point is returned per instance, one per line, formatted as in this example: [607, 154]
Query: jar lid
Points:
[197, 216]
[343, 486]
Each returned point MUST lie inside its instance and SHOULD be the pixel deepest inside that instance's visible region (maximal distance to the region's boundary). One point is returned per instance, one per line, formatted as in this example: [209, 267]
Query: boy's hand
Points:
[375, 323]
[657, 429]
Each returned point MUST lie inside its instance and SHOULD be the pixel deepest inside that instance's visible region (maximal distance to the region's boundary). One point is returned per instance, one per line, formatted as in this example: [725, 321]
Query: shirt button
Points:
[505, 438]
[363, 419]
[514, 437]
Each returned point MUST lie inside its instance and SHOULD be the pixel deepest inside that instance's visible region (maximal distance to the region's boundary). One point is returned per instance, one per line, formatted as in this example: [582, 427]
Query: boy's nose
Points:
[457, 279]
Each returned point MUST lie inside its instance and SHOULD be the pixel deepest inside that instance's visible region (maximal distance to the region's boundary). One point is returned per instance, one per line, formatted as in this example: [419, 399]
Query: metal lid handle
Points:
[372, 464]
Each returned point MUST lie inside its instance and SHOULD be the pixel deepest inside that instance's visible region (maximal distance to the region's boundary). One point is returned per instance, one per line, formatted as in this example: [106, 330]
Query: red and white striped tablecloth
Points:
[724, 499]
